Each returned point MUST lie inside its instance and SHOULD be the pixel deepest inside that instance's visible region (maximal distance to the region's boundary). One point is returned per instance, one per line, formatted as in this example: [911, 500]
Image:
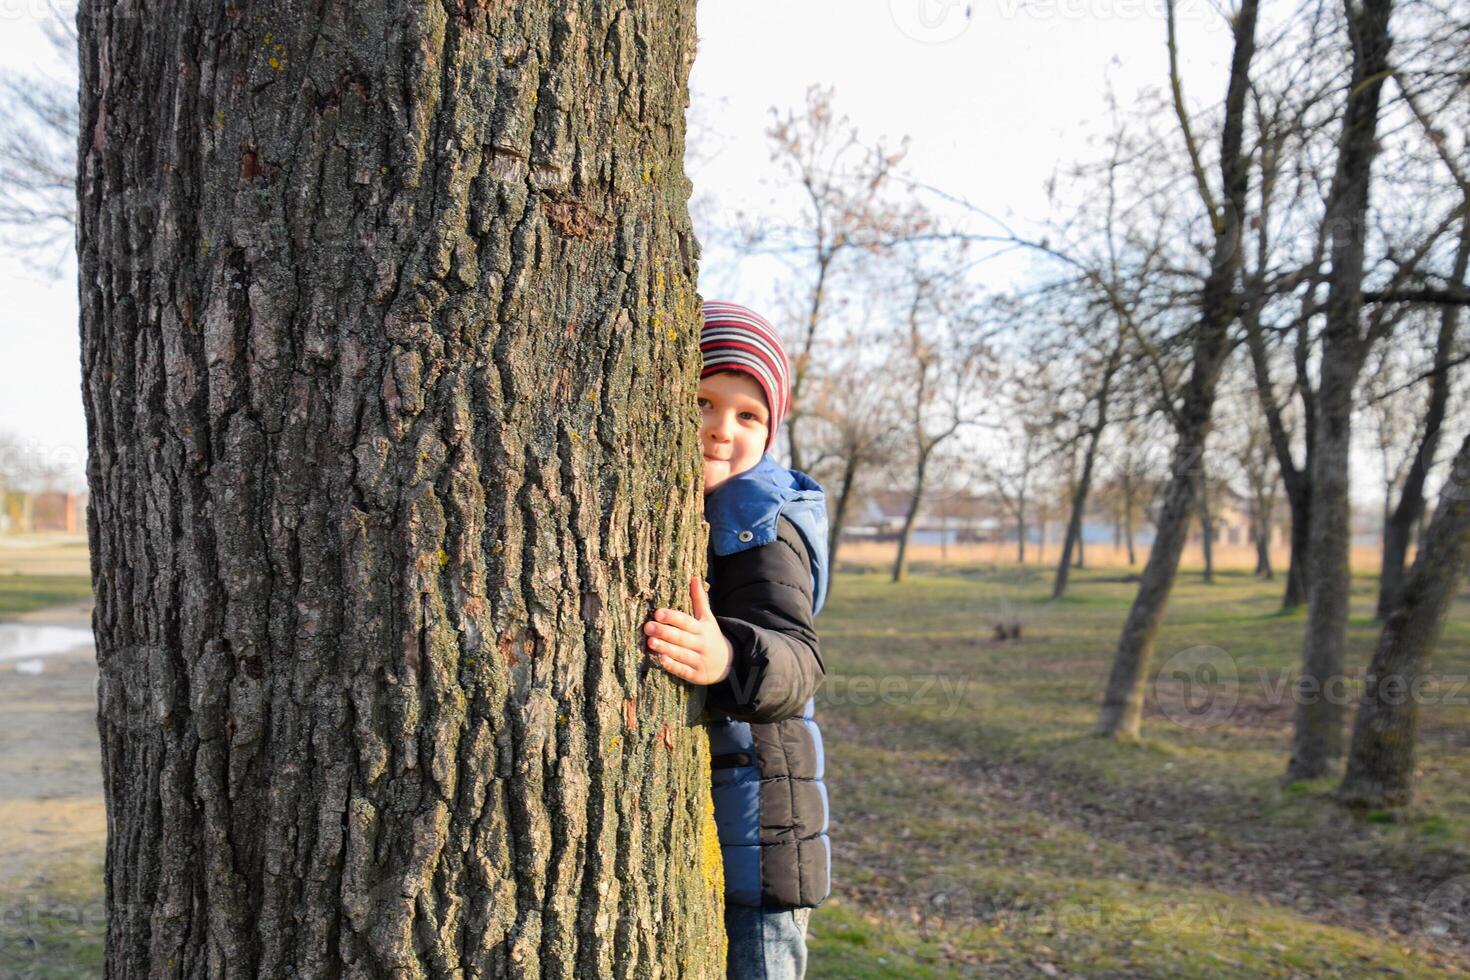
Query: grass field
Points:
[979, 830]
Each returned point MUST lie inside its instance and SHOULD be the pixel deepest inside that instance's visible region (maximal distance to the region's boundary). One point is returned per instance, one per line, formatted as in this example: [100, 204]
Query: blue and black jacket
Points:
[768, 579]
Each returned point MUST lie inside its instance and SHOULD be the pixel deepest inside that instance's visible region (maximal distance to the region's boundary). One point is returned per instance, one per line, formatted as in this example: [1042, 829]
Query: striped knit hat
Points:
[736, 338]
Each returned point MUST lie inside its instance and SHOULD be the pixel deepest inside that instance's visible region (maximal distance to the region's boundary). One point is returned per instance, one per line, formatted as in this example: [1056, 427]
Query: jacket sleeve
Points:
[762, 599]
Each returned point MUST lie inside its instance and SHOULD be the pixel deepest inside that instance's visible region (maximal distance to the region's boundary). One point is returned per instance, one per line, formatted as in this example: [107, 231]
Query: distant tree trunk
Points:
[1263, 539]
[1021, 536]
[801, 363]
[1073, 537]
[1122, 707]
[1296, 480]
[389, 346]
[845, 487]
[1206, 526]
[1317, 736]
[1380, 768]
[1079, 561]
[900, 561]
[1399, 524]
[1299, 503]
[1128, 505]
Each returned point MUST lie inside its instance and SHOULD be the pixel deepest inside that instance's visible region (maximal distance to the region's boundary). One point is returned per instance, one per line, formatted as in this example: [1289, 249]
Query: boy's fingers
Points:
[699, 598]
[679, 670]
[676, 661]
[672, 635]
[680, 620]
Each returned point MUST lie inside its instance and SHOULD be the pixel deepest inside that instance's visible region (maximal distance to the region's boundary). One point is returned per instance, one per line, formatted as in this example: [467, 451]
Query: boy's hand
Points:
[690, 647]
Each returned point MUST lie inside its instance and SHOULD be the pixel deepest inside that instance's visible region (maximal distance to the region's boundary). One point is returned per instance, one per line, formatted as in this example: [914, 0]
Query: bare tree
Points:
[846, 210]
[939, 350]
[1024, 426]
[38, 149]
[1401, 519]
[859, 423]
[1122, 707]
[1317, 736]
[1248, 452]
[1380, 766]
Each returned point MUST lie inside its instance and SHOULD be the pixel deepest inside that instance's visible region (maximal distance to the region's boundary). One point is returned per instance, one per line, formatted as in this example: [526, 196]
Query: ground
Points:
[978, 828]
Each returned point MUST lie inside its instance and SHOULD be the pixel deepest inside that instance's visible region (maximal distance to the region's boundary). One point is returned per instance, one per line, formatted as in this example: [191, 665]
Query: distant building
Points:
[48, 510]
[947, 518]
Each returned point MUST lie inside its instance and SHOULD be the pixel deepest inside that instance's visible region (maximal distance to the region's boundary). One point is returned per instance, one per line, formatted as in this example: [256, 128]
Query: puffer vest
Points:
[770, 800]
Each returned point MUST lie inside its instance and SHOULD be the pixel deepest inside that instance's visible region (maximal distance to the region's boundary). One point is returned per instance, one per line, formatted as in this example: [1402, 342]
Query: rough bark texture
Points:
[389, 339]
[1380, 769]
[1317, 735]
[1122, 706]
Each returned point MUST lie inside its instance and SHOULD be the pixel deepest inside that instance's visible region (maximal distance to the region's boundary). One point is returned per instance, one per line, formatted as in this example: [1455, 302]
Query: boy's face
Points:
[733, 427]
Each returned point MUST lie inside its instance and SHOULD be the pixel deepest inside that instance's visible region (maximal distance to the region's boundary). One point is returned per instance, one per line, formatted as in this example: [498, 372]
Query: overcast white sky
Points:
[993, 103]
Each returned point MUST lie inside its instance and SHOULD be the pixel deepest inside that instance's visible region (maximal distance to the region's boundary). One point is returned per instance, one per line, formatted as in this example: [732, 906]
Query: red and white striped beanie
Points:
[736, 338]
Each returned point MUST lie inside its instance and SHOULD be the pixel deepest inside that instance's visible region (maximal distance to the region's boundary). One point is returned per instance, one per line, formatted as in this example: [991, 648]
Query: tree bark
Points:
[389, 346]
[1317, 737]
[1122, 706]
[1380, 768]
[1399, 527]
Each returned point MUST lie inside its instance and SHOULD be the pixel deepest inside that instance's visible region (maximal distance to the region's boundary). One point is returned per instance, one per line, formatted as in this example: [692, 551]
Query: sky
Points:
[993, 103]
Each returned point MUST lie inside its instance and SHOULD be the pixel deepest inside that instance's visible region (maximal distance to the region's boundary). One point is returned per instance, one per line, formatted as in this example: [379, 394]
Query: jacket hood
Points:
[742, 514]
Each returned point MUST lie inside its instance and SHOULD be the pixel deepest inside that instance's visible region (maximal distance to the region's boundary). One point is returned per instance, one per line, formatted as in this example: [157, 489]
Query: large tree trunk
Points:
[1317, 737]
[1380, 767]
[1122, 707]
[389, 348]
[1399, 527]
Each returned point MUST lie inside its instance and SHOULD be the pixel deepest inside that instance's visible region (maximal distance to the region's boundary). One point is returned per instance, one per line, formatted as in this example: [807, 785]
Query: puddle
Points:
[21, 640]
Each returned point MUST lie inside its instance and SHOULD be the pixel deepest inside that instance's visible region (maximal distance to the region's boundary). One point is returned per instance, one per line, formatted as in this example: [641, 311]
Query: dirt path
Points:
[50, 757]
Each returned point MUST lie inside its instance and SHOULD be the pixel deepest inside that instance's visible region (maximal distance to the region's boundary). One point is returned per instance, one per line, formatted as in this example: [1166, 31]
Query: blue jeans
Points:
[765, 944]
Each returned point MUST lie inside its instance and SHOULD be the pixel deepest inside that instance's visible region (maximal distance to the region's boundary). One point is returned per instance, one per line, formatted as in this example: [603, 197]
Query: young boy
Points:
[752, 645]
